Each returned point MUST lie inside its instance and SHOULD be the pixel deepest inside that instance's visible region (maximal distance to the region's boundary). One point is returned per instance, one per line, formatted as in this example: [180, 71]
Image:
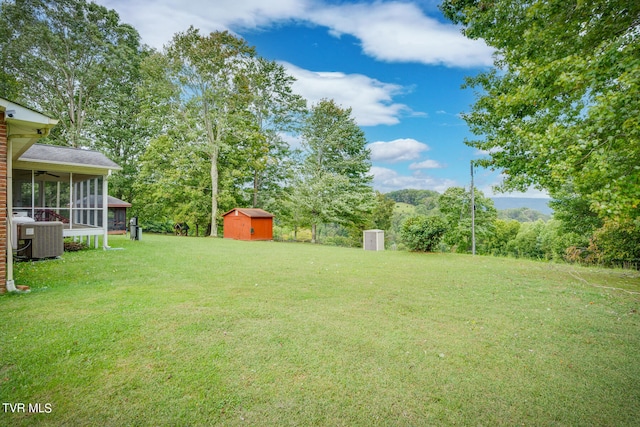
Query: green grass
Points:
[404, 208]
[199, 331]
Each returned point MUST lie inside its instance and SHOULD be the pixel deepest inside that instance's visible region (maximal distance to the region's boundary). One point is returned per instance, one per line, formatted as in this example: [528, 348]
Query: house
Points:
[47, 182]
[248, 224]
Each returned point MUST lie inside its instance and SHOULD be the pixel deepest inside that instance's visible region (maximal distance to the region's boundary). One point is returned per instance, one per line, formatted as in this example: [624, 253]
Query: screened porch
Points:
[51, 183]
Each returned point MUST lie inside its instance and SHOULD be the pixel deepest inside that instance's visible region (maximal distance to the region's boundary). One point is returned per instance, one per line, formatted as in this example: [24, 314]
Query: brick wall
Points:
[3, 204]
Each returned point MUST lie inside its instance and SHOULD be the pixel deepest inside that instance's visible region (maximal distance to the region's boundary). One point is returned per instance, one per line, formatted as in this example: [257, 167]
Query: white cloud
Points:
[479, 152]
[397, 150]
[386, 180]
[371, 100]
[388, 31]
[158, 20]
[427, 164]
[401, 32]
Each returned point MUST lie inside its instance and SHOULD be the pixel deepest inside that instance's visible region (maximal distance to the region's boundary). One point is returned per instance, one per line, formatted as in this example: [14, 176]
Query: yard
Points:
[198, 331]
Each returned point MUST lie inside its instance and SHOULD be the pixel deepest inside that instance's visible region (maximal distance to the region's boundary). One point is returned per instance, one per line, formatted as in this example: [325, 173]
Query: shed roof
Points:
[117, 203]
[251, 213]
[112, 202]
[64, 158]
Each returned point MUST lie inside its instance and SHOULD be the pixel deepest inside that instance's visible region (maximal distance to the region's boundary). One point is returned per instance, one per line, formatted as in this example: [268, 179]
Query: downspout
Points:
[10, 283]
[105, 210]
[11, 286]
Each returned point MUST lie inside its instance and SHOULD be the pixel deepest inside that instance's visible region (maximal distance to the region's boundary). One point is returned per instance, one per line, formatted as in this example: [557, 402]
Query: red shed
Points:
[248, 224]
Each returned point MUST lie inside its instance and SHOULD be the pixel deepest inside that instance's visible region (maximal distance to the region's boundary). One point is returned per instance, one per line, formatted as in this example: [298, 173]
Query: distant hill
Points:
[540, 205]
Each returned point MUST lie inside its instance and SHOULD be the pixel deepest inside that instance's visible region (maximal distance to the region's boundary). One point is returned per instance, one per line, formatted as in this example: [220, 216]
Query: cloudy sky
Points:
[398, 64]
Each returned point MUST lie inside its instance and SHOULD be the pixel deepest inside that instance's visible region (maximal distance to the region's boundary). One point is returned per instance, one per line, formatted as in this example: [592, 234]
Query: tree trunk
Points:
[313, 233]
[214, 195]
[255, 189]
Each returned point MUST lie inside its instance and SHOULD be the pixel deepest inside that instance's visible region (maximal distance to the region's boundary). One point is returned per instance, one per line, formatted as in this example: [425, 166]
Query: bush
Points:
[161, 227]
[423, 233]
[616, 243]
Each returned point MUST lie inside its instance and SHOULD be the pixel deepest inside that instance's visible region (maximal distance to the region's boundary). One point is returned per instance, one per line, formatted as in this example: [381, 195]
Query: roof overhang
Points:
[250, 212]
[65, 159]
[24, 126]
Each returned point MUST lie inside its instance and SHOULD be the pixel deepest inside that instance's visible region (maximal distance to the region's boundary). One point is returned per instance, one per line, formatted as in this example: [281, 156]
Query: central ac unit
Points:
[43, 239]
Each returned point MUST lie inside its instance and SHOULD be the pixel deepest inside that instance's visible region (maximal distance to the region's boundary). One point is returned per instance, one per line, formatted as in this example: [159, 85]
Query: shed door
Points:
[236, 227]
[370, 241]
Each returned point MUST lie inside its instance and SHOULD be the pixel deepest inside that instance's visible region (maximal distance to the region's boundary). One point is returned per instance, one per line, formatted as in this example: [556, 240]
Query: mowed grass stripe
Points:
[195, 331]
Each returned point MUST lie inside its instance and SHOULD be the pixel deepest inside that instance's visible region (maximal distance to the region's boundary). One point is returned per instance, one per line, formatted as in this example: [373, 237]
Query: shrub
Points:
[617, 243]
[422, 233]
[162, 227]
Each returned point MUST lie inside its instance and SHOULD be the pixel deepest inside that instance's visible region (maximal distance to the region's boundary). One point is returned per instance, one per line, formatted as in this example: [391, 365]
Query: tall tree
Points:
[207, 69]
[274, 109]
[455, 206]
[173, 185]
[562, 106]
[67, 58]
[335, 182]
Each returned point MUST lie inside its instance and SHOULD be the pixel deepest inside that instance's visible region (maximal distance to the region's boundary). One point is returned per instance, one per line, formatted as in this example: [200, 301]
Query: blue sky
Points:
[398, 64]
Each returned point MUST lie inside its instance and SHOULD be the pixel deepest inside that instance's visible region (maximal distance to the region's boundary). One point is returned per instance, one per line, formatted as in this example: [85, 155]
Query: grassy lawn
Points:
[198, 331]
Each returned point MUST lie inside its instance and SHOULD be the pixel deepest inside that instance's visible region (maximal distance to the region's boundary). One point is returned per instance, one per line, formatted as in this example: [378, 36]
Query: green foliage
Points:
[503, 232]
[273, 109]
[455, 206]
[616, 244]
[158, 227]
[423, 233]
[522, 215]
[562, 107]
[382, 213]
[209, 71]
[73, 60]
[173, 185]
[528, 241]
[575, 213]
[333, 183]
[415, 197]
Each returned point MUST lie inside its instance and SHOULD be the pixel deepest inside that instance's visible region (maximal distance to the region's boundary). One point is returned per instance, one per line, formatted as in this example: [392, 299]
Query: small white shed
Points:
[373, 240]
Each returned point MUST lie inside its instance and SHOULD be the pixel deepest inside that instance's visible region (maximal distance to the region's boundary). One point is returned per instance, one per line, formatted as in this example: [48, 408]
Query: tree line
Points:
[442, 222]
[202, 126]
[559, 110]
[199, 127]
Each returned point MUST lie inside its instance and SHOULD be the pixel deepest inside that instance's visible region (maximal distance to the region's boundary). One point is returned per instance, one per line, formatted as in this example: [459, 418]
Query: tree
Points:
[522, 214]
[208, 70]
[455, 207]
[273, 109]
[334, 185]
[382, 212]
[528, 242]
[173, 184]
[423, 233]
[70, 59]
[562, 106]
[415, 197]
[503, 232]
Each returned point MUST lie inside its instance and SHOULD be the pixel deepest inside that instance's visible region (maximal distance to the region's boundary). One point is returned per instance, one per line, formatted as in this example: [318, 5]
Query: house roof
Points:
[25, 125]
[53, 157]
[251, 213]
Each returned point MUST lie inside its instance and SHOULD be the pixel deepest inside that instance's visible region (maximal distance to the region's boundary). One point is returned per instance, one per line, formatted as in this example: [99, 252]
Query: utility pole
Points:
[473, 214]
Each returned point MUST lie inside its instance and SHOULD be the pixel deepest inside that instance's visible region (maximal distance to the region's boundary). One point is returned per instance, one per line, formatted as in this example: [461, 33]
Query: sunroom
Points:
[52, 183]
